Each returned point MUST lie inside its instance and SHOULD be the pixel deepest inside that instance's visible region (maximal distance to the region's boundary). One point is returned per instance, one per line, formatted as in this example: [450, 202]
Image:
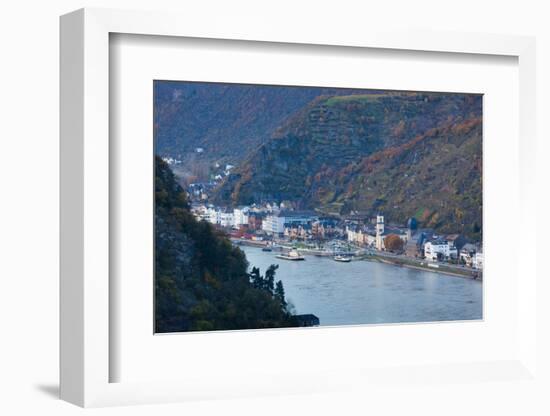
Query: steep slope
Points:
[327, 138]
[201, 280]
[226, 120]
[435, 177]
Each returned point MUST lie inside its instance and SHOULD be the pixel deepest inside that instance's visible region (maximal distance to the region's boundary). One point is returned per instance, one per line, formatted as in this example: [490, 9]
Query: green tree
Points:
[202, 281]
[280, 293]
[256, 279]
[270, 278]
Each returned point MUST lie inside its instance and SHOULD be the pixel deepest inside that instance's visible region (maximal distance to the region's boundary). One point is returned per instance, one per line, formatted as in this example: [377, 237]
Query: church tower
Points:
[379, 232]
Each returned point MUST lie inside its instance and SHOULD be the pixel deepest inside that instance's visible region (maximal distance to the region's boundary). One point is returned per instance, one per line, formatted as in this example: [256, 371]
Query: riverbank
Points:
[282, 247]
[394, 260]
[424, 265]
[250, 243]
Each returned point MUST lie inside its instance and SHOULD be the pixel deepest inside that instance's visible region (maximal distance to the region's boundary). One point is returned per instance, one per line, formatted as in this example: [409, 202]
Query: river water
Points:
[365, 292]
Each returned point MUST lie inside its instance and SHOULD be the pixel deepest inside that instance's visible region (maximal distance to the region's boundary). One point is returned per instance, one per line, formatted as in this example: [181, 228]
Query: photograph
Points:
[281, 206]
[247, 208]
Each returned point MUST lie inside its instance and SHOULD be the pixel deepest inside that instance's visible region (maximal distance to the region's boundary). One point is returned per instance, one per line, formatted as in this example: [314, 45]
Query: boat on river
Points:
[267, 248]
[342, 259]
[291, 255]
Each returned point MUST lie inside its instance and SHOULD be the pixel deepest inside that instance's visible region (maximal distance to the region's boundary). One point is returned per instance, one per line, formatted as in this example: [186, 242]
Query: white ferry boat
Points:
[342, 259]
[291, 255]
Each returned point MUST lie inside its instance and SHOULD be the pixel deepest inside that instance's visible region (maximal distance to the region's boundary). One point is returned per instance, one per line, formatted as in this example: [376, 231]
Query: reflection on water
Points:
[363, 292]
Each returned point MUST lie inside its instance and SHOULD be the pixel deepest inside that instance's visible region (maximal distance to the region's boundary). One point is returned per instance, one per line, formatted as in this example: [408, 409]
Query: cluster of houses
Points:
[237, 218]
[276, 221]
[300, 225]
[373, 235]
[172, 161]
[418, 243]
[453, 247]
[201, 191]
[471, 255]
[271, 220]
[225, 172]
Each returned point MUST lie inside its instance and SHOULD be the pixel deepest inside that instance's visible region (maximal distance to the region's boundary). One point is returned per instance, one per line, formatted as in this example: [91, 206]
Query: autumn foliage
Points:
[393, 243]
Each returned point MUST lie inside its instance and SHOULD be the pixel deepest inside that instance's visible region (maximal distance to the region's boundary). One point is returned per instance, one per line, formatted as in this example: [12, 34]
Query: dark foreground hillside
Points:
[201, 280]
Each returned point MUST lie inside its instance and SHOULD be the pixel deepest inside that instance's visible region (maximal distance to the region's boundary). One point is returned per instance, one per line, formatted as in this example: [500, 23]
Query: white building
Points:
[171, 161]
[226, 219]
[355, 235]
[274, 224]
[467, 254]
[478, 260]
[240, 216]
[439, 249]
[379, 232]
[217, 217]
[212, 215]
[360, 236]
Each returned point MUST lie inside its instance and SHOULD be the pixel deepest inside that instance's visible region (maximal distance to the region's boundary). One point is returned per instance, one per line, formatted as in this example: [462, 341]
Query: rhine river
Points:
[365, 292]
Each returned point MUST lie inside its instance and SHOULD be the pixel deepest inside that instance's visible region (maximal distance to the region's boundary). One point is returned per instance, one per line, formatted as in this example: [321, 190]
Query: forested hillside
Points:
[408, 154]
[226, 120]
[435, 177]
[201, 280]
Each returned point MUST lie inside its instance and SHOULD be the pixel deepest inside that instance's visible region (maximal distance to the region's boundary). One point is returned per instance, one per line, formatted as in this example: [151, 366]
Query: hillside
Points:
[226, 120]
[435, 177]
[201, 280]
[318, 159]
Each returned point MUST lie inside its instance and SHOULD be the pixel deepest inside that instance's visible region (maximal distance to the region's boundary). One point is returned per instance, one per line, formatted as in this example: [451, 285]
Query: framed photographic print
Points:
[332, 202]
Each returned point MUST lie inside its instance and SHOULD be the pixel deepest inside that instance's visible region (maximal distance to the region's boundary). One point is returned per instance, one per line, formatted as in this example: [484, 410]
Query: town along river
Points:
[366, 292]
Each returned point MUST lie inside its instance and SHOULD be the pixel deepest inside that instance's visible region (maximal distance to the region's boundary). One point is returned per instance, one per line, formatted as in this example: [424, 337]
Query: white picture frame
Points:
[85, 211]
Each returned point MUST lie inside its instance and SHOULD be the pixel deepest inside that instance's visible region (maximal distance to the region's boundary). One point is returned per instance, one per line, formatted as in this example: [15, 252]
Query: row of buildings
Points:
[272, 220]
[252, 217]
[374, 235]
[454, 247]
[418, 243]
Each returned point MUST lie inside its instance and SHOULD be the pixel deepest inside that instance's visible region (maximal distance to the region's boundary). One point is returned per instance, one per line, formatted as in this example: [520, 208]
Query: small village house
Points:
[467, 254]
[478, 260]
